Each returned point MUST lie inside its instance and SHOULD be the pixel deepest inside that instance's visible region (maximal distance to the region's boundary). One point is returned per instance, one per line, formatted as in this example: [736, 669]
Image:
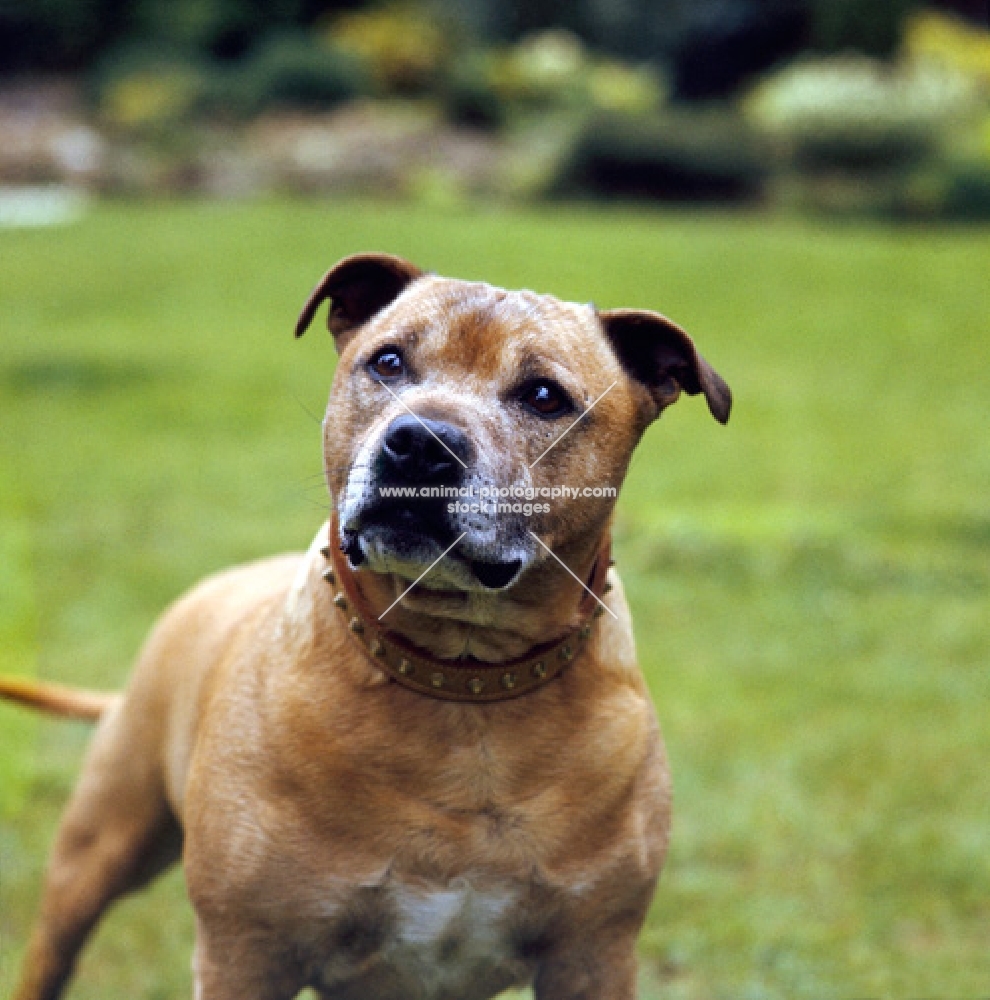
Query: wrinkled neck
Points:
[491, 626]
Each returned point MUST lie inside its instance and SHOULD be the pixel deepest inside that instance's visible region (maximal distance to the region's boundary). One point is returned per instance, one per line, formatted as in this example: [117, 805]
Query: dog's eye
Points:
[387, 363]
[546, 399]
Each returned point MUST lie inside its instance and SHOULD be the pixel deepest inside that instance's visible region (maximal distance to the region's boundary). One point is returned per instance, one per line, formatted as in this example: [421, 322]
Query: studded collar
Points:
[467, 680]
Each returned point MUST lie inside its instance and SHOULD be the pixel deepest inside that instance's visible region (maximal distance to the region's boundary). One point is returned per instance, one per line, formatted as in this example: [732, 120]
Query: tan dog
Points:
[387, 793]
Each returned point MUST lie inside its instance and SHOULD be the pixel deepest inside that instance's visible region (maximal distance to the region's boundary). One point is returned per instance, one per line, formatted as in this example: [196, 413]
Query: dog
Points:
[419, 760]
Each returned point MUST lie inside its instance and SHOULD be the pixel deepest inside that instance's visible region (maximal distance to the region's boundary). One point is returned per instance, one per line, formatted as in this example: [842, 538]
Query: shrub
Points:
[710, 45]
[950, 42]
[956, 189]
[714, 45]
[623, 89]
[967, 190]
[546, 69]
[873, 27]
[678, 156]
[405, 50]
[145, 88]
[291, 70]
[469, 95]
[547, 72]
[853, 112]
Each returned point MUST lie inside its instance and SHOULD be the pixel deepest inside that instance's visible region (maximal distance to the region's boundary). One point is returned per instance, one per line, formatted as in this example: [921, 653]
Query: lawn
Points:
[811, 584]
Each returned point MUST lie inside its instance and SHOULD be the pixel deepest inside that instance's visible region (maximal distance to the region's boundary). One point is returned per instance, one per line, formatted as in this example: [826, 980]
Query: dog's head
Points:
[489, 422]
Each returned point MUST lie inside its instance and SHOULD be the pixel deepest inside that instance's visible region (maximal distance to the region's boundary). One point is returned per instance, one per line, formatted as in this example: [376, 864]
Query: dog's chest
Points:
[456, 942]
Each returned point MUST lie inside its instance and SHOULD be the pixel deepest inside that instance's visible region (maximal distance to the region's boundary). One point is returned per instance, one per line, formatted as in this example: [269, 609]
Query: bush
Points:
[677, 156]
[957, 191]
[549, 71]
[627, 90]
[468, 93]
[290, 70]
[852, 112]
[545, 70]
[63, 35]
[146, 88]
[950, 42]
[405, 50]
[873, 27]
[717, 44]
[967, 191]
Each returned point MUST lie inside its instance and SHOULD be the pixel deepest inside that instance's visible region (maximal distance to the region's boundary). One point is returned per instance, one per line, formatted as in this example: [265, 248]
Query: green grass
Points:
[811, 585]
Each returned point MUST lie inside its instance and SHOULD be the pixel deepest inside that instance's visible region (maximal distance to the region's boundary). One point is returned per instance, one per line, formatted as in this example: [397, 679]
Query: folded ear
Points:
[660, 355]
[358, 287]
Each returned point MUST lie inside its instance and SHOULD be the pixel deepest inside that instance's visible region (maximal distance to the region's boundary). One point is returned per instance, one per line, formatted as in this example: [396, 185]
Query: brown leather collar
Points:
[460, 680]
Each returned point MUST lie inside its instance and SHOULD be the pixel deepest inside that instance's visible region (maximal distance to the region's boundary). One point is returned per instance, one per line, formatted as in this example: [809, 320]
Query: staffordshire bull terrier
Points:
[420, 760]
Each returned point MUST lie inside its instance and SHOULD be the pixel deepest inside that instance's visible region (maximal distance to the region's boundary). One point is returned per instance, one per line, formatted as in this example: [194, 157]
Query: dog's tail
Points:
[72, 703]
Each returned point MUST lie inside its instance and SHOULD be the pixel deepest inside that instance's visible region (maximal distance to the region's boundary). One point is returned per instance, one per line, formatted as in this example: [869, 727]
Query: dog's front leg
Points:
[600, 967]
[244, 962]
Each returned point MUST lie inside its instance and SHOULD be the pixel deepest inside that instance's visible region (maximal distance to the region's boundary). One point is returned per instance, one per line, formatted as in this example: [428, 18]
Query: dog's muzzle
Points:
[404, 521]
[418, 460]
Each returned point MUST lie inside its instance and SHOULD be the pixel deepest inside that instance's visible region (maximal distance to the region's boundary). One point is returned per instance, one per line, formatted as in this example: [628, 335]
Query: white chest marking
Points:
[427, 918]
[454, 942]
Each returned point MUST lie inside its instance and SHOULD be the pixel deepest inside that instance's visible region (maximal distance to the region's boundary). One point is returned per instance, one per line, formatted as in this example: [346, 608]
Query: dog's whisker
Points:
[309, 413]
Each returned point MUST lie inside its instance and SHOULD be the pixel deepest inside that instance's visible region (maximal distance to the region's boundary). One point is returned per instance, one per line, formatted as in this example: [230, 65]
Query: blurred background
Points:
[803, 184]
[842, 106]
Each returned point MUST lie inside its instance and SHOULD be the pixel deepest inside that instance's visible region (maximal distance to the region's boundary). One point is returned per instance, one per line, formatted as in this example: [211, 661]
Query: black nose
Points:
[425, 451]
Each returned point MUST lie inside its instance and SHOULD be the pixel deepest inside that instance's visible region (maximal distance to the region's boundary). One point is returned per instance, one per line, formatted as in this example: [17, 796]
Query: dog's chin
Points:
[409, 554]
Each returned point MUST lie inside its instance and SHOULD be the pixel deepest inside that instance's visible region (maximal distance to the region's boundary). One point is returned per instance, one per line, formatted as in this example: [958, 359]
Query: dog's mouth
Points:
[401, 529]
[403, 539]
[495, 575]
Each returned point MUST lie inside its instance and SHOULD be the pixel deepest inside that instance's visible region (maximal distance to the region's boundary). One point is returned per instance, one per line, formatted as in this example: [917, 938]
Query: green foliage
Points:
[75, 34]
[57, 34]
[809, 585]
[546, 72]
[677, 155]
[295, 70]
[875, 28]
[967, 190]
[710, 43]
[405, 49]
[947, 41]
[147, 87]
[853, 112]
[619, 88]
[854, 135]
[469, 95]
[193, 25]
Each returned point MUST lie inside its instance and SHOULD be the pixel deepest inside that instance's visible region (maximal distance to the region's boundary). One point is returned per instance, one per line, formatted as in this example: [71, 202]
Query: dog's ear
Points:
[660, 355]
[358, 287]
